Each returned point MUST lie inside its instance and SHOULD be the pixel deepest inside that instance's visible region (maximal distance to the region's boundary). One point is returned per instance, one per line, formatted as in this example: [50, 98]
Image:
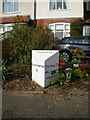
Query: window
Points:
[86, 30]
[59, 4]
[1, 31]
[88, 5]
[4, 30]
[7, 27]
[60, 30]
[10, 6]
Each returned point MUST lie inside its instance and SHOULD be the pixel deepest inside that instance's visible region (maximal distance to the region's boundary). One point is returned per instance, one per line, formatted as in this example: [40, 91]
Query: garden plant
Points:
[76, 27]
[77, 69]
[18, 52]
[22, 39]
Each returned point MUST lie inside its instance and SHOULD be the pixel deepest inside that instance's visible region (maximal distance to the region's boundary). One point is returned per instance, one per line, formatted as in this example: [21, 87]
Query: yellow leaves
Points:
[77, 54]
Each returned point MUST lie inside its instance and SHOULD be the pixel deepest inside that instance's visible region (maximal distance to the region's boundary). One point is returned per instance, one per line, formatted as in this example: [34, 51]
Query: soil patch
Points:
[22, 82]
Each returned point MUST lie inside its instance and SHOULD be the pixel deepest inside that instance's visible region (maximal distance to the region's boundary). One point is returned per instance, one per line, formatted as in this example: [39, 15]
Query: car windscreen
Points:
[66, 40]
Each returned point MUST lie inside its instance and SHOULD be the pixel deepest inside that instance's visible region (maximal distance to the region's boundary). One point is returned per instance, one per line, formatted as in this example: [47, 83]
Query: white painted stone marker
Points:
[43, 63]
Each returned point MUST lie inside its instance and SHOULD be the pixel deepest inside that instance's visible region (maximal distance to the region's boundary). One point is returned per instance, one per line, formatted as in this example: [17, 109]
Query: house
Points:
[58, 14]
[55, 14]
[86, 27]
[9, 9]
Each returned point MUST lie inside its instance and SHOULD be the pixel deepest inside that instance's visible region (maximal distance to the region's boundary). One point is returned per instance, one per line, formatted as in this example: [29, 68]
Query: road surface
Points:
[24, 105]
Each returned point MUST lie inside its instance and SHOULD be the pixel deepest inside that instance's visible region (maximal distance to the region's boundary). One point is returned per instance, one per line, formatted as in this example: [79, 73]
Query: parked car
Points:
[66, 44]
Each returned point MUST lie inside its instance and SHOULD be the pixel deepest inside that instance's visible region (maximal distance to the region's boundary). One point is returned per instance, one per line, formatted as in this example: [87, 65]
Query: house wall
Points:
[46, 22]
[25, 9]
[45, 16]
[43, 11]
[0, 8]
[75, 11]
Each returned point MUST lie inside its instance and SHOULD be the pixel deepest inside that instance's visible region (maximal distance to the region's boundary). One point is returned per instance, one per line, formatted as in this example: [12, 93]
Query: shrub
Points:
[23, 39]
[4, 72]
[78, 74]
[61, 78]
[85, 66]
[77, 54]
[76, 27]
[5, 49]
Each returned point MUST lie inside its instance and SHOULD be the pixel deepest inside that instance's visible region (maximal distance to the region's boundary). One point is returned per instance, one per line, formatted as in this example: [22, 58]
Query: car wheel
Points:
[66, 56]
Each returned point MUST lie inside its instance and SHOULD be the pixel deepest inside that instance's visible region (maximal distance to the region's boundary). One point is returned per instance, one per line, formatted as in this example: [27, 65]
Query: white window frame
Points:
[4, 30]
[7, 8]
[1, 28]
[64, 30]
[5, 27]
[85, 31]
[56, 5]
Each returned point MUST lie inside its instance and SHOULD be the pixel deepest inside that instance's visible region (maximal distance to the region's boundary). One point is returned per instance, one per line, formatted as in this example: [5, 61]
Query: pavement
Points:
[24, 105]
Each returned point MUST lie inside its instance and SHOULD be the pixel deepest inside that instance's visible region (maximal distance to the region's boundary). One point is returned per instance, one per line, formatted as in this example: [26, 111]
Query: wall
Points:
[26, 8]
[75, 11]
[46, 22]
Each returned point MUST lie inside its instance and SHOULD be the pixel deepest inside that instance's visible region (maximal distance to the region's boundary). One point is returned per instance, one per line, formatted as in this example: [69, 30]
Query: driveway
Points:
[22, 104]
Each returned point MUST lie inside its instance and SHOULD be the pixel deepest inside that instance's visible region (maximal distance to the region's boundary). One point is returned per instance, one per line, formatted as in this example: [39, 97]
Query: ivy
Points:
[76, 27]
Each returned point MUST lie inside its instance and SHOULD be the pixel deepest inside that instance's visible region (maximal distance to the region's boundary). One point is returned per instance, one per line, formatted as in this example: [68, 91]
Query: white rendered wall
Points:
[75, 10]
[42, 10]
[25, 8]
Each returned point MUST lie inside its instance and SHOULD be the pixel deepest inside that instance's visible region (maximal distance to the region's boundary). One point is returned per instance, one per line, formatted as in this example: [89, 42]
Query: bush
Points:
[5, 48]
[77, 54]
[61, 78]
[4, 72]
[85, 66]
[78, 74]
[23, 39]
[76, 27]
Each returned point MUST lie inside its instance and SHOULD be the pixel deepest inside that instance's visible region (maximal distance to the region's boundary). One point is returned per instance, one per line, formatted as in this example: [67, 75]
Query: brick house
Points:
[9, 9]
[55, 14]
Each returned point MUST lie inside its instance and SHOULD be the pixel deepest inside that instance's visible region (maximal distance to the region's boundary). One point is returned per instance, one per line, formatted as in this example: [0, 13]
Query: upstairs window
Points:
[10, 6]
[59, 4]
[88, 6]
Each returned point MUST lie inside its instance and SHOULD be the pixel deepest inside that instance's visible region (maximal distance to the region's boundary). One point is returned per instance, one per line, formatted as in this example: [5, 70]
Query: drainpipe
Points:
[32, 22]
[34, 9]
[35, 13]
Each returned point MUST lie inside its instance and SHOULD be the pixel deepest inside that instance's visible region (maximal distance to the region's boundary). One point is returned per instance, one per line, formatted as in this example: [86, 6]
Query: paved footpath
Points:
[20, 105]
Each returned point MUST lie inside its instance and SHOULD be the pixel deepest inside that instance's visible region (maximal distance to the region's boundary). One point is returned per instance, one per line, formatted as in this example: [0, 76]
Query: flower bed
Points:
[78, 69]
